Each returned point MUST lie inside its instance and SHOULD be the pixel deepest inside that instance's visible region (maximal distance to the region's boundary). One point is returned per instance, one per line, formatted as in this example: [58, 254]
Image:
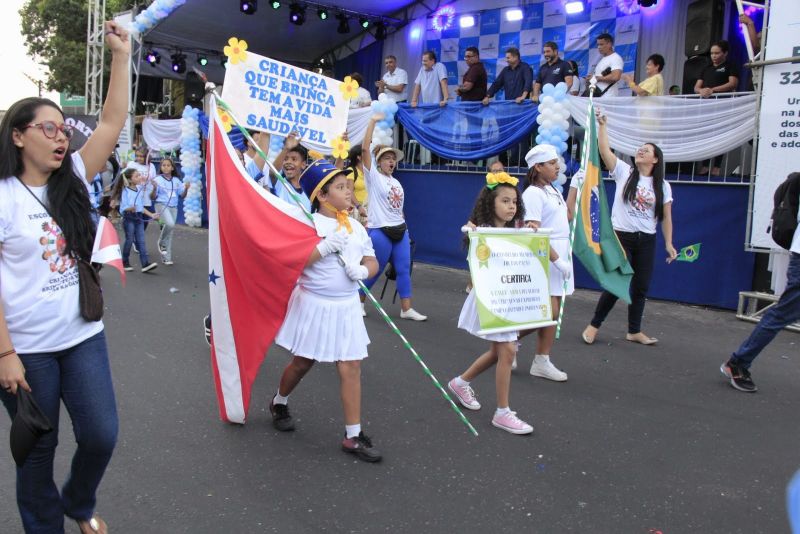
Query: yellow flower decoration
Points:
[495, 178]
[349, 88]
[227, 121]
[314, 155]
[341, 148]
[236, 50]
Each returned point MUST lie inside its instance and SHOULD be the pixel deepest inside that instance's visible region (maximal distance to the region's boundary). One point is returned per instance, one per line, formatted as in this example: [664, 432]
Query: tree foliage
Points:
[55, 35]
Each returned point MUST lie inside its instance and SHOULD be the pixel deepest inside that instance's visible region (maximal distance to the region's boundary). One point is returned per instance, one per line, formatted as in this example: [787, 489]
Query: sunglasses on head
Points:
[51, 129]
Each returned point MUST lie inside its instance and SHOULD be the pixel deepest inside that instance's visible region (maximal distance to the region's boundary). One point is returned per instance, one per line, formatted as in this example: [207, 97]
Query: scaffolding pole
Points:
[94, 57]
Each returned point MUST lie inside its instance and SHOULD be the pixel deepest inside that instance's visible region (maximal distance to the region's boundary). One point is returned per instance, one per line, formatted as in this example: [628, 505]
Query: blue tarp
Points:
[469, 130]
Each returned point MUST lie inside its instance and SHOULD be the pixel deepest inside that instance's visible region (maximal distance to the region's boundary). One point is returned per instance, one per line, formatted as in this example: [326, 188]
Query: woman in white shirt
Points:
[642, 199]
[46, 347]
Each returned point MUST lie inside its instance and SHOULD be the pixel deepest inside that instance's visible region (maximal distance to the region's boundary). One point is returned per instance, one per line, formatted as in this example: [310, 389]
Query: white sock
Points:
[460, 382]
[352, 430]
[278, 399]
[541, 358]
[502, 411]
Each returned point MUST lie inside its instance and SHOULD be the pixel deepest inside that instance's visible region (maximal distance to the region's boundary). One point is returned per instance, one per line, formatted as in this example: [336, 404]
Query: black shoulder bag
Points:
[89, 290]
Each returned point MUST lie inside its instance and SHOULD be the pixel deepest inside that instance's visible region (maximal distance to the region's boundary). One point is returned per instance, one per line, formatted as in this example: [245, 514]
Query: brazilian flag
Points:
[690, 253]
[596, 244]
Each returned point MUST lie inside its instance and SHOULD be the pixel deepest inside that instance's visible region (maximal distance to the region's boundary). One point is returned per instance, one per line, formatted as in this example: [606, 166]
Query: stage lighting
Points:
[248, 7]
[647, 3]
[297, 14]
[513, 15]
[344, 25]
[466, 21]
[322, 13]
[178, 63]
[152, 57]
[380, 31]
[275, 4]
[573, 7]
[364, 21]
[202, 60]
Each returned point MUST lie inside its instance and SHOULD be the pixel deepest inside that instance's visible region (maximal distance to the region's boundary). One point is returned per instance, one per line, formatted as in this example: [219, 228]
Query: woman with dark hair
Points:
[653, 85]
[642, 198]
[46, 347]
[360, 196]
[363, 99]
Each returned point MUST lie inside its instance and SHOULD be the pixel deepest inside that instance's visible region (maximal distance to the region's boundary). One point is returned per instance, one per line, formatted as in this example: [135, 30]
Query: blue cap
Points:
[316, 175]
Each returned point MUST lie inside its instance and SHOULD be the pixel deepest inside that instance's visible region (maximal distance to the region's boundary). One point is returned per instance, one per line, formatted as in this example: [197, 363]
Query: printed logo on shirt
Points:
[395, 197]
[643, 202]
[55, 245]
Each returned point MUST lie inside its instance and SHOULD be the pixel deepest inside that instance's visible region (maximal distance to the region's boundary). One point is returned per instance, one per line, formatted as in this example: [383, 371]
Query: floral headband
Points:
[493, 179]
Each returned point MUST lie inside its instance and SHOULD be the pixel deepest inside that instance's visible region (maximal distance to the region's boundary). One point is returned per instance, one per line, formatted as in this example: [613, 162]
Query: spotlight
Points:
[573, 7]
[297, 14]
[364, 21]
[513, 15]
[152, 57]
[380, 31]
[322, 13]
[344, 25]
[275, 4]
[248, 7]
[466, 21]
[647, 3]
[178, 63]
[202, 60]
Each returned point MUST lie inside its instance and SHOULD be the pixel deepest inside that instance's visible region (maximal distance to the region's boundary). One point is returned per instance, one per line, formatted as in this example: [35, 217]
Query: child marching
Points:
[166, 191]
[323, 322]
[498, 206]
[129, 193]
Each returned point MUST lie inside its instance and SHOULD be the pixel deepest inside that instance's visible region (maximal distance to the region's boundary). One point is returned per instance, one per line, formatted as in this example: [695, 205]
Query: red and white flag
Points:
[257, 247]
[106, 247]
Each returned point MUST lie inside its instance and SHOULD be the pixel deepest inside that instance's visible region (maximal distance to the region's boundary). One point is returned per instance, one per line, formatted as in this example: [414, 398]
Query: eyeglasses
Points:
[51, 129]
[469, 55]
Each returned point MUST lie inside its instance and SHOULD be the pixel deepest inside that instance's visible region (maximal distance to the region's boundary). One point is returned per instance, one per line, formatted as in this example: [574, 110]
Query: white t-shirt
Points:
[362, 100]
[547, 205]
[430, 88]
[38, 285]
[399, 76]
[327, 277]
[147, 171]
[614, 61]
[640, 216]
[386, 198]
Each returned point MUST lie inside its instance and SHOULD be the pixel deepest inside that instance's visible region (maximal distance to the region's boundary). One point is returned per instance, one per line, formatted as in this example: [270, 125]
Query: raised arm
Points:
[262, 139]
[602, 143]
[115, 109]
[366, 155]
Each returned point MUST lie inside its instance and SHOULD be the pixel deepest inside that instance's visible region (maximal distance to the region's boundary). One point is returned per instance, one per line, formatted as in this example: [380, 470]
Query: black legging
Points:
[641, 250]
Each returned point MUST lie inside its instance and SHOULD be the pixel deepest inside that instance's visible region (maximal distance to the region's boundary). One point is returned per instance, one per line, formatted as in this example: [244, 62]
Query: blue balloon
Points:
[539, 139]
[548, 89]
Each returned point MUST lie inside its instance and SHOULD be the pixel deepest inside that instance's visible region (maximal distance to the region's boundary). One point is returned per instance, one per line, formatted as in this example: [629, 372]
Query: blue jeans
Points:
[400, 254]
[134, 232]
[783, 313]
[81, 376]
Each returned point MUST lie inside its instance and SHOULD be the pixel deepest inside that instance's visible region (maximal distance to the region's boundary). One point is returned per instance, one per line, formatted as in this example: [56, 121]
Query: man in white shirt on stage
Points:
[609, 69]
[395, 82]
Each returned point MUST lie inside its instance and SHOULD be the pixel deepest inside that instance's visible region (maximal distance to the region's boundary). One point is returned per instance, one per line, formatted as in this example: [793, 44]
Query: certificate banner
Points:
[509, 270]
[270, 96]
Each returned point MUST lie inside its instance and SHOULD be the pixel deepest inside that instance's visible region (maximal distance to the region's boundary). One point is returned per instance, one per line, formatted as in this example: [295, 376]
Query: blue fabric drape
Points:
[236, 137]
[469, 130]
[368, 62]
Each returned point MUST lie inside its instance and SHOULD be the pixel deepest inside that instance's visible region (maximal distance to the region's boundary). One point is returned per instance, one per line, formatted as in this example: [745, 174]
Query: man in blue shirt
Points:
[555, 70]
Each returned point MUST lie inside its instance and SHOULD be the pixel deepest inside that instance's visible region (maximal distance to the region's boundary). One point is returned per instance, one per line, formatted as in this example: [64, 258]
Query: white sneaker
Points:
[514, 364]
[546, 369]
[363, 310]
[413, 315]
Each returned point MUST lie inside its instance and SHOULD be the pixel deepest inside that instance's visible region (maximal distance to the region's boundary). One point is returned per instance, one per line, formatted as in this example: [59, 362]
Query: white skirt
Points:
[324, 329]
[561, 247]
[468, 320]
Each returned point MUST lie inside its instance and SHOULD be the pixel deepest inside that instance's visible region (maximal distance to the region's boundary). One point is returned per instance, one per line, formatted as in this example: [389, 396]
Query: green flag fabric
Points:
[690, 253]
[596, 245]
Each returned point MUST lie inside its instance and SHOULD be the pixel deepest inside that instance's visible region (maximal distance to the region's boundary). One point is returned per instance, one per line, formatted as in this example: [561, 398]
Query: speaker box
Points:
[194, 89]
[704, 22]
[692, 68]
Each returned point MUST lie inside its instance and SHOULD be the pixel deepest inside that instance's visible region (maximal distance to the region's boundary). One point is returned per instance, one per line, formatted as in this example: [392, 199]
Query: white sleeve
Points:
[419, 74]
[366, 244]
[402, 77]
[621, 172]
[617, 63]
[667, 189]
[442, 71]
[533, 200]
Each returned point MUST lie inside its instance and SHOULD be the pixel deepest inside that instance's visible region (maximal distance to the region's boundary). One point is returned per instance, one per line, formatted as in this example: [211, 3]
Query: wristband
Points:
[7, 353]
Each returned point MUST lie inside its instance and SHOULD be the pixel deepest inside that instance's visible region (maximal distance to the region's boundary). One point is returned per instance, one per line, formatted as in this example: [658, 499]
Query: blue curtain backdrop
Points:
[368, 62]
[469, 130]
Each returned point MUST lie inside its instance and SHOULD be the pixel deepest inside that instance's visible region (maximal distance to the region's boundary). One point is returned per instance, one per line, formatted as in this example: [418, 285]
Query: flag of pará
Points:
[106, 247]
[257, 247]
[596, 244]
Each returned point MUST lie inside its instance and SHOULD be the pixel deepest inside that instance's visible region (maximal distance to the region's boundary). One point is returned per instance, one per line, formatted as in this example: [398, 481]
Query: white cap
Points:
[540, 154]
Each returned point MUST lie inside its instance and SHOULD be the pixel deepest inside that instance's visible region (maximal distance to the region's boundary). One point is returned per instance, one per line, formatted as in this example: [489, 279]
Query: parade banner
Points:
[270, 96]
[779, 118]
[509, 270]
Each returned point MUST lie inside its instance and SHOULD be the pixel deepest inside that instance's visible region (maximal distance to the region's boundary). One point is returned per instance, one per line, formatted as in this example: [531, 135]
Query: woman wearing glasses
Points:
[46, 347]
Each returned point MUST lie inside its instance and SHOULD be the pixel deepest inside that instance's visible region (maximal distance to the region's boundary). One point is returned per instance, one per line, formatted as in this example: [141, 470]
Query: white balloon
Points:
[548, 100]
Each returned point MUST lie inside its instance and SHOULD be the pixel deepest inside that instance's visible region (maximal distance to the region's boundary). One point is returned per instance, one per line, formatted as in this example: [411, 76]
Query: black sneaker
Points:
[207, 328]
[281, 418]
[362, 447]
[127, 267]
[739, 377]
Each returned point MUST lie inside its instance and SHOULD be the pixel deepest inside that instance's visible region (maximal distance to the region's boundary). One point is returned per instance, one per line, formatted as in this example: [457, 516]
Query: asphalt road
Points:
[639, 440]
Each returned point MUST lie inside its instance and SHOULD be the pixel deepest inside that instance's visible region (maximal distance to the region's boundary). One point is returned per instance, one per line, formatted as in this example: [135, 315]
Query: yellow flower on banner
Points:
[341, 148]
[314, 155]
[227, 121]
[494, 178]
[236, 50]
[349, 88]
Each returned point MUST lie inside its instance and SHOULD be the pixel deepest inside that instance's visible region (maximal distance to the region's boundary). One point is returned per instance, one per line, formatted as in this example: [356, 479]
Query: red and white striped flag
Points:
[106, 247]
[257, 247]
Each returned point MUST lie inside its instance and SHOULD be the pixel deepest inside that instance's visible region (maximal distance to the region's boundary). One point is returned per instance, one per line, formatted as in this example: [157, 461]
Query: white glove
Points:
[333, 243]
[356, 272]
[565, 266]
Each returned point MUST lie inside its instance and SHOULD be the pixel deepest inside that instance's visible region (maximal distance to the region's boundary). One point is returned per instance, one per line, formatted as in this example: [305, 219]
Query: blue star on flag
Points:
[213, 277]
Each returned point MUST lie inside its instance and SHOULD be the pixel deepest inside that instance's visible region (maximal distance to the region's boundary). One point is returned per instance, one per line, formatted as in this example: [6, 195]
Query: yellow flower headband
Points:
[495, 178]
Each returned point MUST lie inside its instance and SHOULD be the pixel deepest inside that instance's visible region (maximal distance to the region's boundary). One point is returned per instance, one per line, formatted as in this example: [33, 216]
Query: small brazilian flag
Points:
[690, 253]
